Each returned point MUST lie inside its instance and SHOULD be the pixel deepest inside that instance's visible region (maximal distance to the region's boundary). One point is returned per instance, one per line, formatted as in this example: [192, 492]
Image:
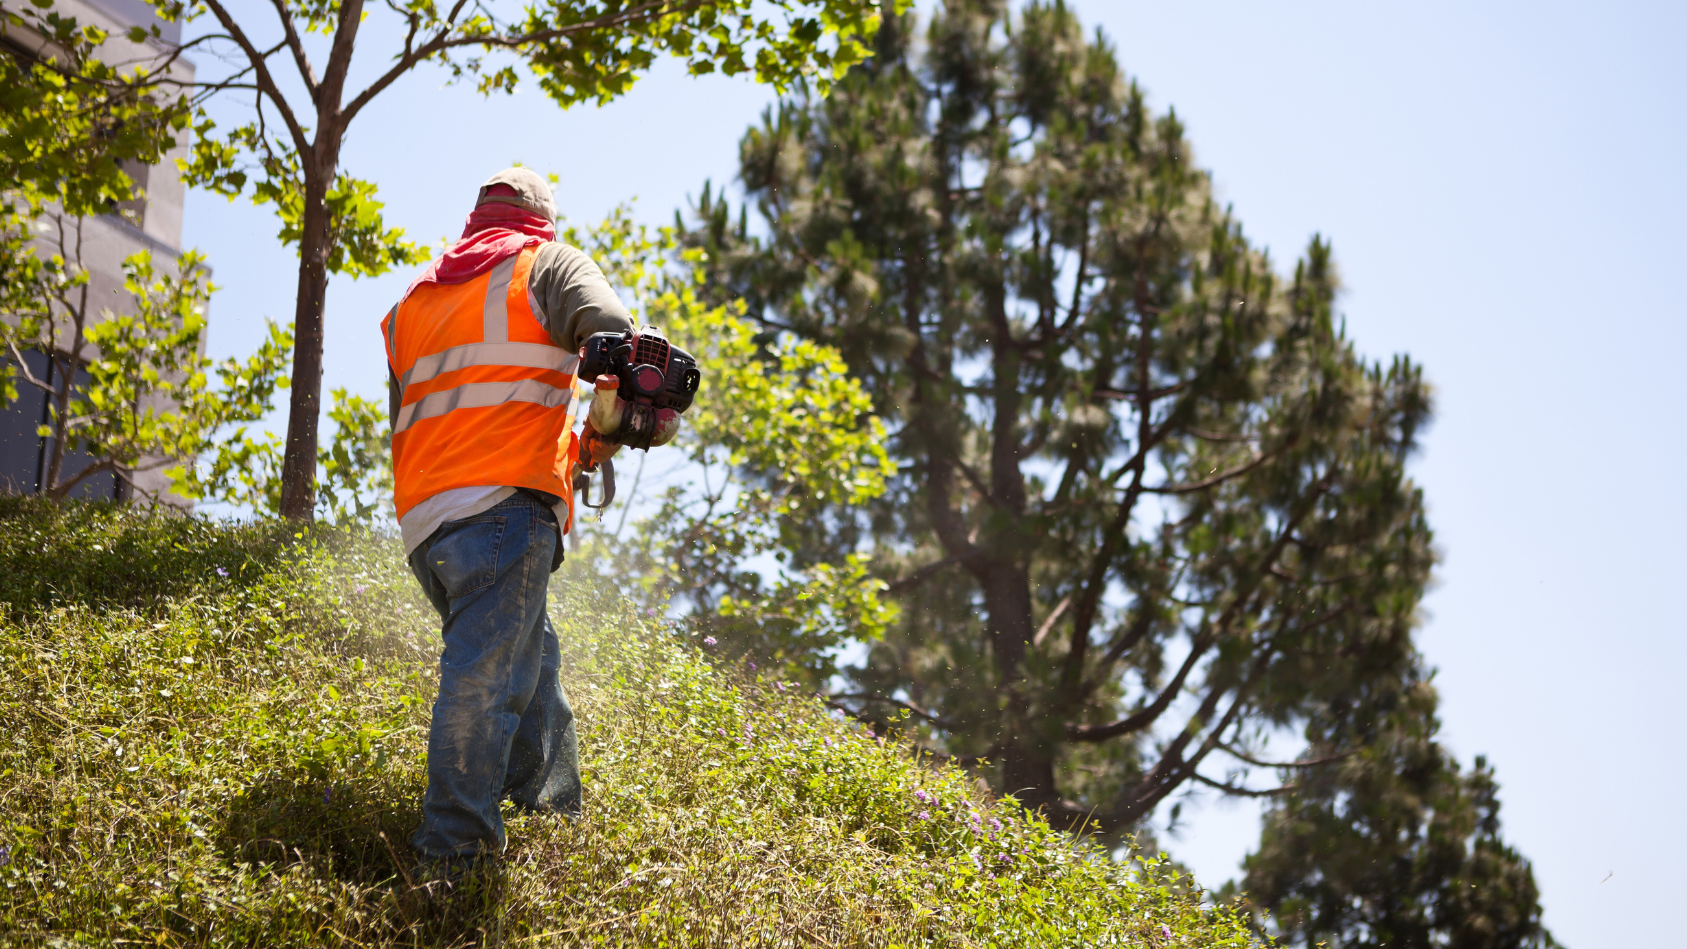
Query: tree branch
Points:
[1218, 436]
[1308, 763]
[919, 575]
[1072, 671]
[28, 375]
[443, 40]
[266, 81]
[339, 64]
[641, 12]
[297, 46]
[1218, 479]
[1143, 396]
[976, 480]
[1133, 635]
[1244, 792]
[58, 491]
[1053, 617]
[123, 87]
[1079, 280]
[1146, 716]
[834, 701]
[1172, 768]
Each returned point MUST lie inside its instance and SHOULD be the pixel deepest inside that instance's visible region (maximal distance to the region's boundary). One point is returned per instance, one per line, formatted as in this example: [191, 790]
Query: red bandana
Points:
[494, 231]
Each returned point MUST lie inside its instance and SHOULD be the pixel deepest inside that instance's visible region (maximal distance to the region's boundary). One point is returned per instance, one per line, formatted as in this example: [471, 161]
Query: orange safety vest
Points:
[488, 399]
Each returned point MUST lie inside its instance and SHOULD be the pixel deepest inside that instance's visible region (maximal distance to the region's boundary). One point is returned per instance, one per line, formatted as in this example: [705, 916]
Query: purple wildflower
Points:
[327, 794]
[5, 854]
[921, 796]
[779, 685]
[708, 640]
[360, 588]
[1165, 931]
[752, 667]
[995, 825]
[924, 815]
[221, 572]
[1002, 857]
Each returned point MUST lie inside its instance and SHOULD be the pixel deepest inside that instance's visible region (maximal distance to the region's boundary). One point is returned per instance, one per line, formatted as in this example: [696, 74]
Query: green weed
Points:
[237, 760]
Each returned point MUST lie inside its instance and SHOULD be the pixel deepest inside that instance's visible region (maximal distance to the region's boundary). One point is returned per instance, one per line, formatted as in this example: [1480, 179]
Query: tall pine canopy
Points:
[1153, 505]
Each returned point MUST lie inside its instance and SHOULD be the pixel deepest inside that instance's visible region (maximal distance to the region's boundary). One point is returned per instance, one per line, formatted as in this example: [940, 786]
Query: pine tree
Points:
[1393, 846]
[1153, 505]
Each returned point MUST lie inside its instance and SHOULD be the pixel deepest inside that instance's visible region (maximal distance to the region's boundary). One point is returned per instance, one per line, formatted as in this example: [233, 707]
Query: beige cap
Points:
[532, 191]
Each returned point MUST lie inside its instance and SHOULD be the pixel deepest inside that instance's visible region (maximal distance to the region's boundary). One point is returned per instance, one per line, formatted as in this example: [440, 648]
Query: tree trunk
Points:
[1027, 753]
[65, 383]
[319, 163]
[1027, 757]
[298, 469]
[61, 408]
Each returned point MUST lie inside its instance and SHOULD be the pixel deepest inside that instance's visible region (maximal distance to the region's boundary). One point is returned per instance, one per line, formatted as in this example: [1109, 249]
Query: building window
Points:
[24, 454]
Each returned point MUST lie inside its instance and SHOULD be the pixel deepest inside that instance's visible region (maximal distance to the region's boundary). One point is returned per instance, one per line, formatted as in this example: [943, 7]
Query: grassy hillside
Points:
[214, 735]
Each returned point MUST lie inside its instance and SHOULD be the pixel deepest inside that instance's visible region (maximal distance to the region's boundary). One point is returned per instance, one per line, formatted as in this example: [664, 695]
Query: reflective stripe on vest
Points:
[508, 366]
[477, 395]
[528, 355]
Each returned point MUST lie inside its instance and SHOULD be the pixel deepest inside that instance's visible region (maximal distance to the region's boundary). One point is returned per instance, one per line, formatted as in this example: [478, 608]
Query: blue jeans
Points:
[502, 727]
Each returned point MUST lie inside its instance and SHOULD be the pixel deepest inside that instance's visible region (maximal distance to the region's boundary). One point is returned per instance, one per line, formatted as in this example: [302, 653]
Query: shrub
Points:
[108, 555]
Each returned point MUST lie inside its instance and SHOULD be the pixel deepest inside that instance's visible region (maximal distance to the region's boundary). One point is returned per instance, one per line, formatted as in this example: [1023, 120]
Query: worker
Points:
[483, 351]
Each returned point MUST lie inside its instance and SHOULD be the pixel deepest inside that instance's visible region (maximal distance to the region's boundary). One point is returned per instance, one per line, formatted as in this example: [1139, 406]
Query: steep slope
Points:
[216, 733]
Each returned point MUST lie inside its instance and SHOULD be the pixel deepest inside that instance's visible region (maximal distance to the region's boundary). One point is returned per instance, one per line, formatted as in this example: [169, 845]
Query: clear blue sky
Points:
[1503, 184]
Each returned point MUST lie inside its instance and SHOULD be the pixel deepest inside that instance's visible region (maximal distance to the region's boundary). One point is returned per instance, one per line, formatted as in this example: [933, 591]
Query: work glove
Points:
[594, 448]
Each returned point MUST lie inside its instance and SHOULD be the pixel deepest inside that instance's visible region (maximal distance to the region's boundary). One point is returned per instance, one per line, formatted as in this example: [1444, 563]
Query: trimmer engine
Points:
[651, 370]
[643, 384]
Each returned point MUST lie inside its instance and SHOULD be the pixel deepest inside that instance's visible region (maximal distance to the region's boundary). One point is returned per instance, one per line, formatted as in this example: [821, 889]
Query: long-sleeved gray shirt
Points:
[575, 300]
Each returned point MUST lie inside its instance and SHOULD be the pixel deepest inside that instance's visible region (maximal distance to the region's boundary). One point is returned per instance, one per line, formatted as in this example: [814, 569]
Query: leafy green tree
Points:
[128, 389]
[1152, 506]
[354, 467]
[70, 121]
[131, 389]
[779, 433]
[357, 464]
[579, 50]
